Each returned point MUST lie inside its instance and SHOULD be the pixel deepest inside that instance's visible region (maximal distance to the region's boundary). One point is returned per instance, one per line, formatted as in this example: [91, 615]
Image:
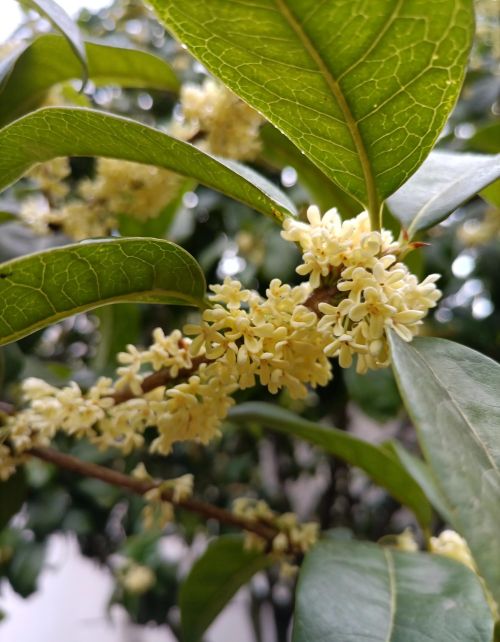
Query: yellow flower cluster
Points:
[227, 126]
[119, 187]
[190, 410]
[136, 578]
[291, 534]
[450, 544]
[158, 512]
[274, 340]
[367, 290]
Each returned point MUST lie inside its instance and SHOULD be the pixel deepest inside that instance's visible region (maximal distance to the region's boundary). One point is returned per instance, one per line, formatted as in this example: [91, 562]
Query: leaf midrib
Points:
[457, 407]
[373, 204]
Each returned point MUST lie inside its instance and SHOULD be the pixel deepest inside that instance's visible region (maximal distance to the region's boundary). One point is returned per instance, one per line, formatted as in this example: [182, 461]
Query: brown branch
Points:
[160, 378]
[139, 487]
[320, 295]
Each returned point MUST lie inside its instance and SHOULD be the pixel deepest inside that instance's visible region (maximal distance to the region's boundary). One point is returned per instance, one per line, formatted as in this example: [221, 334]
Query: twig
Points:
[139, 487]
[160, 378]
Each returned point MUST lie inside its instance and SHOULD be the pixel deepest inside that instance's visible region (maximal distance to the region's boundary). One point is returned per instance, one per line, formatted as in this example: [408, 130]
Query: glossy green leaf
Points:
[452, 395]
[48, 60]
[278, 151]
[381, 466]
[39, 289]
[213, 580]
[354, 591]
[362, 88]
[57, 131]
[63, 23]
[445, 181]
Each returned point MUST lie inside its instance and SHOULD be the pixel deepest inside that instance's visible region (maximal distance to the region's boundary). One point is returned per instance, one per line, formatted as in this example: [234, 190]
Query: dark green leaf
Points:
[445, 181]
[452, 394]
[354, 591]
[362, 88]
[382, 467]
[279, 151]
[215, 577]
[25, 566]
[63, 23]
[49, 60]
[40, 289]
[12, 496]
[375, 392]
[52, 132]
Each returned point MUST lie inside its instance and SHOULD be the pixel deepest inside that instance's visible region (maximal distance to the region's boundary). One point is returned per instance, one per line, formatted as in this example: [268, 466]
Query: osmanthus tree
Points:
[353, 95]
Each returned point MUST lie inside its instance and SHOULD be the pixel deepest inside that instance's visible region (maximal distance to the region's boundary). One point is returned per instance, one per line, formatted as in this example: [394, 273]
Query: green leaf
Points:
[362, 88]
[52, 132]
[422, 474]
[12, 495]
[25, 566]
[278, 151]
[381, 466]
[375, 392]
[445, 181]
[451, 393]
[63, 23]
[213, 580]
[39, 289]
[351, 591]
[48, 60]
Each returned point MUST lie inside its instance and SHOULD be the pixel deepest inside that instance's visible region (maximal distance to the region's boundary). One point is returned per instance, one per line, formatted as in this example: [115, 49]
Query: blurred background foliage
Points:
[229, 239]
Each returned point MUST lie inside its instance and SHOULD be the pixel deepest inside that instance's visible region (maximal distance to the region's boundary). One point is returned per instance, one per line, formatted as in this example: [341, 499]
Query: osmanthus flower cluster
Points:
[362, 289]
[292, 538]
[212, 117]
[183, 382]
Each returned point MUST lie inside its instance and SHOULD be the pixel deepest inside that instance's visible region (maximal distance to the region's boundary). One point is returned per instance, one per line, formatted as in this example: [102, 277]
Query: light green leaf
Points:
[381, 466]
[278, 151]
[362, 88]
[352, 591]
[48, 60]
[57, 131]
[452, 395]
[215, 577]
[63, 23]
[445, 181]
[39, 289]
